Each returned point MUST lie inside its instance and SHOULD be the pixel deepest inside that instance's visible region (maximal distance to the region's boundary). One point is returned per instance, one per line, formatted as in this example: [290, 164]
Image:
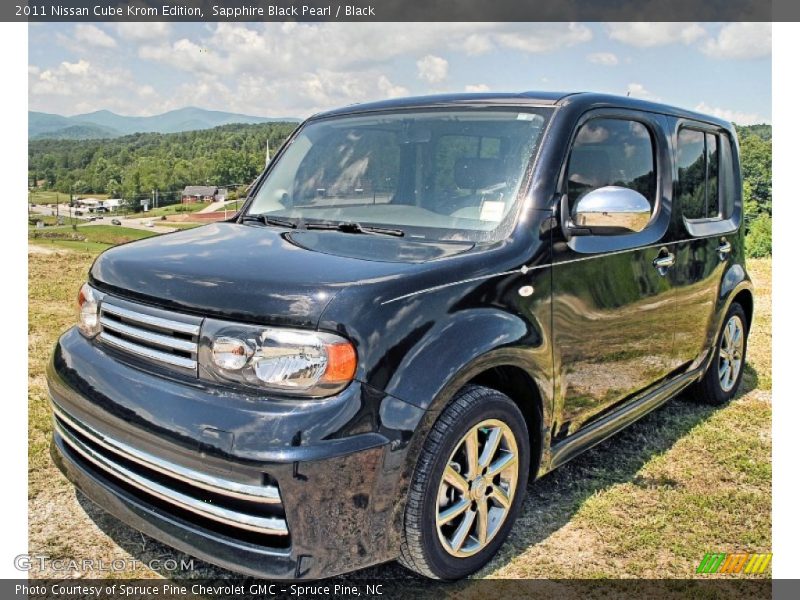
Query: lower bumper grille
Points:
[249, 508]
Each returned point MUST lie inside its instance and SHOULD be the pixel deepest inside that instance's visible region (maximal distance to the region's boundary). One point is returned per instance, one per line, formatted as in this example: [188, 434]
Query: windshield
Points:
[432, 175]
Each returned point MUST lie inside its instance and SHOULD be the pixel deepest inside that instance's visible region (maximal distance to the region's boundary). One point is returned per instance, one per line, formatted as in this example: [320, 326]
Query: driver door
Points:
[613, 309]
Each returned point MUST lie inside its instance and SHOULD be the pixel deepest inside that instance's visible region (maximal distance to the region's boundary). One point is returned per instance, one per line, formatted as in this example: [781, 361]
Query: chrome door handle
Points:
[664, 262]
[724, 250]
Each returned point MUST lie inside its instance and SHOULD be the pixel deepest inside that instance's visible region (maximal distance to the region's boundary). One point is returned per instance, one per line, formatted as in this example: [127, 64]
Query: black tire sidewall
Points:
[494, 406]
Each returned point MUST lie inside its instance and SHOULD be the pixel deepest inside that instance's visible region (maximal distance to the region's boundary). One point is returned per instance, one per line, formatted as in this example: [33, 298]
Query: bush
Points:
[759, 237]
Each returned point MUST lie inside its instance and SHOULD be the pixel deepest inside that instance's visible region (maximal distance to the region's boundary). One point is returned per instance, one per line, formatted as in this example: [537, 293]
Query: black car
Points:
[424, 305]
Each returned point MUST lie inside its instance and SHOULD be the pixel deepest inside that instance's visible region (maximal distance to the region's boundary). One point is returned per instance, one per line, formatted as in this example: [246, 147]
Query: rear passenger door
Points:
[705, 222]
[613, 308]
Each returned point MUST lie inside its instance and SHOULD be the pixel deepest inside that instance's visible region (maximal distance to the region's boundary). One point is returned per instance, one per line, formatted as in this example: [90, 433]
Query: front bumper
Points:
[269, 488]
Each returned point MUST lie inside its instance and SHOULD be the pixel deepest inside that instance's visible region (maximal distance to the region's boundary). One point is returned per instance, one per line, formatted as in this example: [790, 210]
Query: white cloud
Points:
[391, 90]
[734, 116]
[607, 59]
[741, 41]
[83, 86]
[92, 35]
[79, 68]
[295, 69]
[544, 37]
[476, 44]
[303, 60]
[432, 69]
[637, 90]
[143, 32]
[646, 34]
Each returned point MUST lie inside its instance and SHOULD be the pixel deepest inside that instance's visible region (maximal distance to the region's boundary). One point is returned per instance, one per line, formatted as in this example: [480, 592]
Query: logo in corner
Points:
[741, 562]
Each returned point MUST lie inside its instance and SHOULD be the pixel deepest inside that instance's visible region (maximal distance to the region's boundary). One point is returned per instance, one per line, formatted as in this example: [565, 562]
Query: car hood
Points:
[256, 273]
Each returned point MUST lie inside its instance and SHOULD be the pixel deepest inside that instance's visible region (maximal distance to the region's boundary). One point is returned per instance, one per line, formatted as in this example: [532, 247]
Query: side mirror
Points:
[609, 210]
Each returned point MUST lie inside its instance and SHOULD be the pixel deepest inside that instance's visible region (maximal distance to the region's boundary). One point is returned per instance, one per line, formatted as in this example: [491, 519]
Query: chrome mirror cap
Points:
[612, 209]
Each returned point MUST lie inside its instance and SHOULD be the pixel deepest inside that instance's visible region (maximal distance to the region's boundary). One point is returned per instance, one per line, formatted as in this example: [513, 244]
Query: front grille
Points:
[150, 334]
[246, 511]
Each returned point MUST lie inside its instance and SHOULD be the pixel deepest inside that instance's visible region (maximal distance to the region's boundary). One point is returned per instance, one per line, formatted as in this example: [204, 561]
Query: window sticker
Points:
[492, 210]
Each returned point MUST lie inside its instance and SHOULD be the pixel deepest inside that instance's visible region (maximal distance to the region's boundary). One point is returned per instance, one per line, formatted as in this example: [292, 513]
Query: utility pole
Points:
[267, 160]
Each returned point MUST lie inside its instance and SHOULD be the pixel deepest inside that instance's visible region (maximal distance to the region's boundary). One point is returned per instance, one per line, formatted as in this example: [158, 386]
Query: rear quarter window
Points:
[698, 186]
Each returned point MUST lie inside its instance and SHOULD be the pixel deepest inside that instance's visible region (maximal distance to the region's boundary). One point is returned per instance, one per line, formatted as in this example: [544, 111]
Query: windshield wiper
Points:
[353, 227]
[268, 220]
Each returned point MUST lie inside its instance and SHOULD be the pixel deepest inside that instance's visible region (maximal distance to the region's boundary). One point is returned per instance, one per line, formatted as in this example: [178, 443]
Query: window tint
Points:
[612, 152]
[712, 197]
[697, 189]
[692, 173]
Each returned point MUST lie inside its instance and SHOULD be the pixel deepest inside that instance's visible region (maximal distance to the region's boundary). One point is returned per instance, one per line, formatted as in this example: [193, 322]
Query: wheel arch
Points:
[506, 371]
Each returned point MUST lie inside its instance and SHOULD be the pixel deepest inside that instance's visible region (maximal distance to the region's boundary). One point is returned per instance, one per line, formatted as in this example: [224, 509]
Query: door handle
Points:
[724, 249]
[663, 262]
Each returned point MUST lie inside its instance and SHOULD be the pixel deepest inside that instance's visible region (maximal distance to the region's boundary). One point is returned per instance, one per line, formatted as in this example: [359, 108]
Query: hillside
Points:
[133, 165]
[106, 124]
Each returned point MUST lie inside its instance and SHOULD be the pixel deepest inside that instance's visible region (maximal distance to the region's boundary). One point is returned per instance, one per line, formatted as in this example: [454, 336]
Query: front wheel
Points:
[724, 375]
[468, 485]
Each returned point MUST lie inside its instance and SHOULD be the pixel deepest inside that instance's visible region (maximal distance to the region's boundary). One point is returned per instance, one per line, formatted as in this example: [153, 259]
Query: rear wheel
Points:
[468, 485]
[724, 375]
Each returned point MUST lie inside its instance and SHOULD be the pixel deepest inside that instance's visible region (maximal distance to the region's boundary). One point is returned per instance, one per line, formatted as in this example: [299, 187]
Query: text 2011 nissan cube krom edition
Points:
[424, 305]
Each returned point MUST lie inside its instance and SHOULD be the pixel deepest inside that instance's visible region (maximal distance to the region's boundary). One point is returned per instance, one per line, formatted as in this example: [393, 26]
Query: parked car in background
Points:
[116, 222]
[423, 305]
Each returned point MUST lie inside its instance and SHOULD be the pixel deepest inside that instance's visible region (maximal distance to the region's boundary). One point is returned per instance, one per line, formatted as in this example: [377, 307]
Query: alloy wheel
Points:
[477, 488]
[731, 350]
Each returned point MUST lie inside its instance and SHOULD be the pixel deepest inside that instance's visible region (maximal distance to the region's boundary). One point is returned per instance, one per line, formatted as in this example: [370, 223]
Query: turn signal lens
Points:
[341, 363]
[88, 311]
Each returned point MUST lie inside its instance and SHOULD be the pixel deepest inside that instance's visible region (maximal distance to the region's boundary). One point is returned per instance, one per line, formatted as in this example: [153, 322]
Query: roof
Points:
[200, 190]
[484, 98]
[578, 100]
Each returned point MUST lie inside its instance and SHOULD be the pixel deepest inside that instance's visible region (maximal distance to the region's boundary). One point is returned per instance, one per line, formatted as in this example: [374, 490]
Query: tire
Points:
[424, 545]
[713, 389]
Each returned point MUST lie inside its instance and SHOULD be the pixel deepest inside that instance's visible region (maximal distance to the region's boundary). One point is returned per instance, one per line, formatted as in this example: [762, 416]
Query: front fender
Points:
[455, 350]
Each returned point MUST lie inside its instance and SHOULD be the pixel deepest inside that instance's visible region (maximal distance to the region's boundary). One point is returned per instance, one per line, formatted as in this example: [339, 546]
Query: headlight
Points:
[89, 310]
[288, 361]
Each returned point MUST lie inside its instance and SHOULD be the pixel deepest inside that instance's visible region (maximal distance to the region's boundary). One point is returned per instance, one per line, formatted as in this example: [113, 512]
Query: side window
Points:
[698, 188]
[615, 152]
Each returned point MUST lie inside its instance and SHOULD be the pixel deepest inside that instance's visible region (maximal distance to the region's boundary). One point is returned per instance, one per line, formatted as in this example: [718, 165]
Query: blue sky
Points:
[290, 69]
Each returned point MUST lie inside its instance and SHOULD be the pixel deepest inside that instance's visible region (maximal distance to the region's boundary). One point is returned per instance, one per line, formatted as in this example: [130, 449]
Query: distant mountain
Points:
[106, 124]
[76, 132]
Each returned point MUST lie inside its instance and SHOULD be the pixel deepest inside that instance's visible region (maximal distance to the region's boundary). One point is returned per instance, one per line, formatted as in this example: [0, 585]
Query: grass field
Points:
[686, 480]
[88, 238]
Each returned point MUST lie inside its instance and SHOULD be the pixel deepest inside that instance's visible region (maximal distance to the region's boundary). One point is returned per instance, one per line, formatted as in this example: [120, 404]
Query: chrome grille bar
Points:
[149, 353]
[264, 525]
[152, 320]
[150, 333]
[157, 339]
